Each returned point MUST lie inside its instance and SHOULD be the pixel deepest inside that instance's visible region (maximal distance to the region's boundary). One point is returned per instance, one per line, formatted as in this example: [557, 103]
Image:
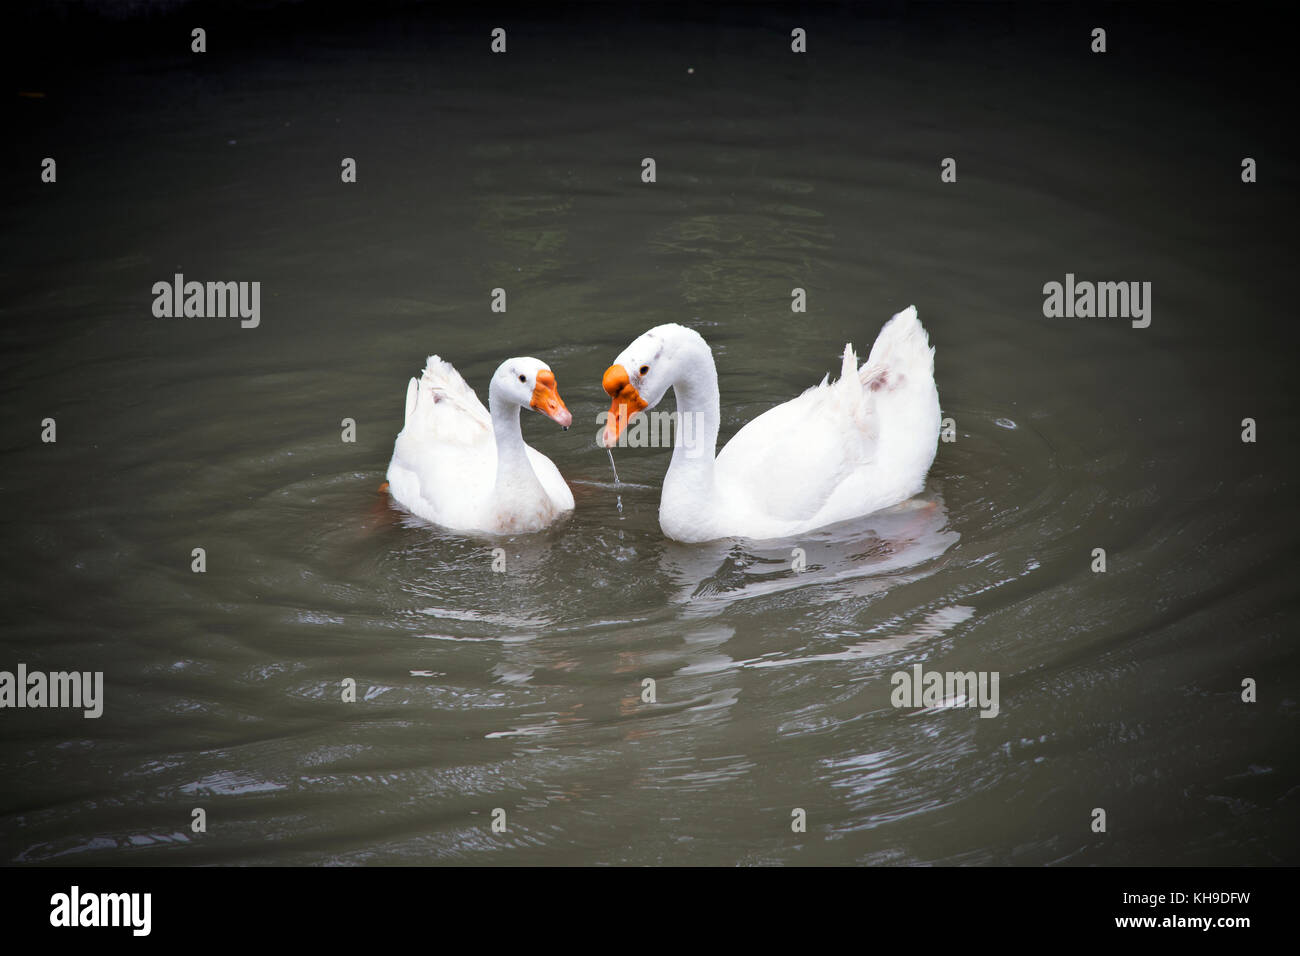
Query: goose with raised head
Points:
[461, 466]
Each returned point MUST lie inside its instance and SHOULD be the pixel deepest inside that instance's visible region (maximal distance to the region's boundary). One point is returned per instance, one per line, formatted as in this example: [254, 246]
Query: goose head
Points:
[530, 383]
[644, 371]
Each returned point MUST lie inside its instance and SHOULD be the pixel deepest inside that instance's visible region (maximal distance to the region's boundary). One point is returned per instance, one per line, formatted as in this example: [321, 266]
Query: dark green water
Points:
[522, 691]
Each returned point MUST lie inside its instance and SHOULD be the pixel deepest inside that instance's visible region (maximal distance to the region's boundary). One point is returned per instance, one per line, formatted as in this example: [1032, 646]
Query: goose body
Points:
[839, 450]
[461, 466]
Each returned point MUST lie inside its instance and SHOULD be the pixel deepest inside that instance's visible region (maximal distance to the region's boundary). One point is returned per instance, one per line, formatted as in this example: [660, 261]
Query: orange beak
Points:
[627, 402]
[546, 399]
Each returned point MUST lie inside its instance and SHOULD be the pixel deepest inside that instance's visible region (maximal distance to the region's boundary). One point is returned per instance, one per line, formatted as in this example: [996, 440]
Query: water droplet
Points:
[618, 497]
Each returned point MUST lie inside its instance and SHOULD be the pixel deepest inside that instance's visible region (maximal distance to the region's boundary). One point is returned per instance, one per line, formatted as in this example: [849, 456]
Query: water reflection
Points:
[858, 558]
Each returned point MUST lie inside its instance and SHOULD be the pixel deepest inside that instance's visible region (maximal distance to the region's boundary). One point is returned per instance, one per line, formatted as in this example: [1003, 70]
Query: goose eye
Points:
[644, 369]
[523, 378]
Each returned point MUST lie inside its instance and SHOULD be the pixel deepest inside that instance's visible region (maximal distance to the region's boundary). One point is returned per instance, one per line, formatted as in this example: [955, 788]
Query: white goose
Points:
[836, 452]
[458, 465]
